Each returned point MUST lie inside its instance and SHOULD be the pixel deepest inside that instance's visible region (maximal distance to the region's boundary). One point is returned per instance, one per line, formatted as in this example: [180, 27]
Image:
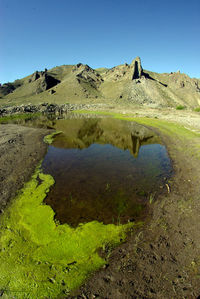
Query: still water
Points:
[104, 170]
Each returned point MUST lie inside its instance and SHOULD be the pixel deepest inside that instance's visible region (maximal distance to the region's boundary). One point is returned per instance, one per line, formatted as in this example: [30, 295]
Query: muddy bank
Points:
[162, 260]
[21, 149]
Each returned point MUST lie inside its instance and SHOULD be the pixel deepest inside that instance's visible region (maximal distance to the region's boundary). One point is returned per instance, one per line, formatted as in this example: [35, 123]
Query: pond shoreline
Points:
[21, 149]
[162, 259]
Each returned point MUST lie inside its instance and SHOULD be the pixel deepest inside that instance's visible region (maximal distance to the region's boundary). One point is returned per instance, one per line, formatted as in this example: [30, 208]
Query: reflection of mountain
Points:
[81, 133]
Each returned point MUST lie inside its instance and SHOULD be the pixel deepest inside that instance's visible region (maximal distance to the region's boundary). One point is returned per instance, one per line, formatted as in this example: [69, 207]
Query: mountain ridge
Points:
[125, 83]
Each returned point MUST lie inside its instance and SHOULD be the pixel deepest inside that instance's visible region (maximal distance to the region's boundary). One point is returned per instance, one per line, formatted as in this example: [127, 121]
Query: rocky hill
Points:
[125, 84]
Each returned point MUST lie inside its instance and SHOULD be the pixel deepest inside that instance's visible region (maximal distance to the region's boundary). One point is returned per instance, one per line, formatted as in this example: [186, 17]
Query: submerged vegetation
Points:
[41, 258]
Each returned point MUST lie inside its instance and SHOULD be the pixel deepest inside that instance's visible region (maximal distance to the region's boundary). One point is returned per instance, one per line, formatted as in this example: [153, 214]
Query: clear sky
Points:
[42, 34]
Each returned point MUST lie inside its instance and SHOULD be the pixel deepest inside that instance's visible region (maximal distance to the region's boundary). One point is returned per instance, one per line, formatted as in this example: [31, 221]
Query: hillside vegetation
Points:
[125, 84]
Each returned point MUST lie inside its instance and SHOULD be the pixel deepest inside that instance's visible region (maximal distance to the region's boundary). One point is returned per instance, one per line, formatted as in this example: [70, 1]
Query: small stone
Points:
[52, 280]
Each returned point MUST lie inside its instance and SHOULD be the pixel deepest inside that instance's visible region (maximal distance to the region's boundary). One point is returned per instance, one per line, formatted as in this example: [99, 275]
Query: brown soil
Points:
[21, 149]
[162, 259]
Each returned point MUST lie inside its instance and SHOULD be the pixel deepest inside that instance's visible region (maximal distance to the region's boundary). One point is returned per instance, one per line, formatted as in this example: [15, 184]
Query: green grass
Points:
[180, 107]
[173, 130]
[41, 258]
[13, 117]
[169, 128]
[197, 109]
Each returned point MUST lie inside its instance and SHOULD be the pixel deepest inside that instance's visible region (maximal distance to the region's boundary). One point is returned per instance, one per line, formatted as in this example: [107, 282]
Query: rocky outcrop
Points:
[46, 108]
[84, 73]
[7, 88]
[125, 71]
[46, 82]
[35, 76]
[136, 68]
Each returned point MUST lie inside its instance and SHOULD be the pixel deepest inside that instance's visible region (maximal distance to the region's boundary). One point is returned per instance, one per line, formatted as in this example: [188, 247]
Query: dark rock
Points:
[46, 82]
[137, 70]
[79, 64]
[84, 73]
[35, 76]
[3, 111]
[6, 89]
[197, 87]
[52, 91]
[182, 84]
[52, 108]
[30, 109]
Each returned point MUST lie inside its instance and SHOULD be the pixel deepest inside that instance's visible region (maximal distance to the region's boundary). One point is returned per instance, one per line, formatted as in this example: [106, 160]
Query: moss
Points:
[49, 138]
[42, 259]
[180, 107]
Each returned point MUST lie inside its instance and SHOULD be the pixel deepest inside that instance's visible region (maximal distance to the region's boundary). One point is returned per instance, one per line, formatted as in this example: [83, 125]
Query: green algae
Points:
[41, 258]
[49, 138]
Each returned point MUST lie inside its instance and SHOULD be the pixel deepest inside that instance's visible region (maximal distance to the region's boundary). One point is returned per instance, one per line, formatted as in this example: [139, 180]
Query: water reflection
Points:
[105, 170]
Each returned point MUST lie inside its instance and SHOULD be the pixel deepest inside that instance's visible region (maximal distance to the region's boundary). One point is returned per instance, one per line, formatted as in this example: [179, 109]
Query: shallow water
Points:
[105, 170]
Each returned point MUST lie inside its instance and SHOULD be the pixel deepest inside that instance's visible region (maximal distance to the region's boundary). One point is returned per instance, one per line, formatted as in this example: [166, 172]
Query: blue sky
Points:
[44, 33]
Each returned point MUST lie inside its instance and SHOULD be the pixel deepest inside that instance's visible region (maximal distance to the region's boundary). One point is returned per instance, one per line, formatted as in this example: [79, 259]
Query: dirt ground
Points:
[162, 259]
[189, 119]
[21, 149]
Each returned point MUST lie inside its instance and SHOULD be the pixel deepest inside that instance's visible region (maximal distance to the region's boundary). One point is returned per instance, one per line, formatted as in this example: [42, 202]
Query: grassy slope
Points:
[187, 95]
[69, 90]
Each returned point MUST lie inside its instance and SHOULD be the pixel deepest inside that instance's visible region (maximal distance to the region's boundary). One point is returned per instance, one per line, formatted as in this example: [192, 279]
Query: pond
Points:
[105, 170]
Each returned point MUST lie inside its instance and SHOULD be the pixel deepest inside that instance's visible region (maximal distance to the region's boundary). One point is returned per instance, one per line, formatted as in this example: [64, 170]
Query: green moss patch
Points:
[49, 138]
[180, 107]
[40, 258]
